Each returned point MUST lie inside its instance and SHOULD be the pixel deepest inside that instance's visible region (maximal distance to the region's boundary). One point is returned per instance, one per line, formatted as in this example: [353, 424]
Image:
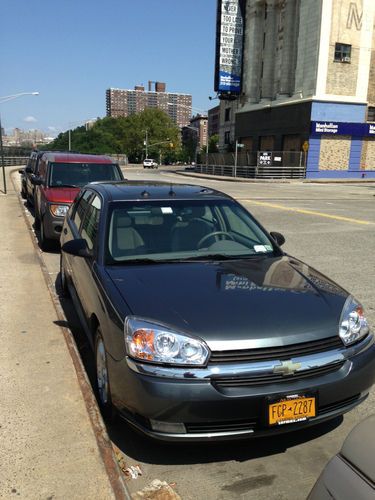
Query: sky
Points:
[71, 51]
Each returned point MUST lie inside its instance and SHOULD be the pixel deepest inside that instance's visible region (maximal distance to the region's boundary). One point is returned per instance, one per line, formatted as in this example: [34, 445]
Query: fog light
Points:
[168, 427]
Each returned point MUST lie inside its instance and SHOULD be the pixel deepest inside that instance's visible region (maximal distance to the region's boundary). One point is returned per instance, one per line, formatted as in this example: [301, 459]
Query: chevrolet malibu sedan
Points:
[202, 327]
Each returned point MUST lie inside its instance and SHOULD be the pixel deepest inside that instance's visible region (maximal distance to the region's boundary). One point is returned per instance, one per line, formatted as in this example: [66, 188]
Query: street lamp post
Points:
[2, 100]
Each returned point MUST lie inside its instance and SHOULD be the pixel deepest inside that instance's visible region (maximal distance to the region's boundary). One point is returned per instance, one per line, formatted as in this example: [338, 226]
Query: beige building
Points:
[308, 82]
[122, 102]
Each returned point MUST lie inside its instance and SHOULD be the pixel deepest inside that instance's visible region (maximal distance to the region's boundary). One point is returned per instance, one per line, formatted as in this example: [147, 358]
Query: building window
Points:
[227, 115]
[371, 114]
[343, 52]
[227, 138]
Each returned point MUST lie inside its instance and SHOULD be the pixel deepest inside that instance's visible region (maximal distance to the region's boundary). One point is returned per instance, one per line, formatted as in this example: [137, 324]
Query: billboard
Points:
[343, 128]
[230, 29]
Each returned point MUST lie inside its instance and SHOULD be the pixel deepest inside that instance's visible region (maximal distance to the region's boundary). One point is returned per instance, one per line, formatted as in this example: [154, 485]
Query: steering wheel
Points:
[214, 233]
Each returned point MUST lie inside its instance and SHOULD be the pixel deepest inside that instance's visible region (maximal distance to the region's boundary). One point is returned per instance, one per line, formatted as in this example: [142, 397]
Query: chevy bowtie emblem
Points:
[286, 368]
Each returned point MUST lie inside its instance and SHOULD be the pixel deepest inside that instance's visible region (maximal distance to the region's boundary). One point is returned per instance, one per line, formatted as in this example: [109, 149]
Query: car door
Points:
[71, 229]
[83, 266]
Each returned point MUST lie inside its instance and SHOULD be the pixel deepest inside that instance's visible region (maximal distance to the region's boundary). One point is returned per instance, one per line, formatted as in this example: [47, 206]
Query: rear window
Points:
[80, 174]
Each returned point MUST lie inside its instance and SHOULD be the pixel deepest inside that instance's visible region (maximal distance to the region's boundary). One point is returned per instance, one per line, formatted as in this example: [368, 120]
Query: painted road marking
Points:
[310, 212]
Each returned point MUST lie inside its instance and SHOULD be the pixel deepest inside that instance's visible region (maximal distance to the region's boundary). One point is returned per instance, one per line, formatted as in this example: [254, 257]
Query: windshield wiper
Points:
[216, 256]
[65, 186]
[137, 261]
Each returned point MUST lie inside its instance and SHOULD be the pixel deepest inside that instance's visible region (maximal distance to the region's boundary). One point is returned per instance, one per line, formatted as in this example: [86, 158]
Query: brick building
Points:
[308, 80]
[122, 102]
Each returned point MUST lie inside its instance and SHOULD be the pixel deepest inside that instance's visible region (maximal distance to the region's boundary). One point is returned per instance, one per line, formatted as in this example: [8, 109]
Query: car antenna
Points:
[171, 192]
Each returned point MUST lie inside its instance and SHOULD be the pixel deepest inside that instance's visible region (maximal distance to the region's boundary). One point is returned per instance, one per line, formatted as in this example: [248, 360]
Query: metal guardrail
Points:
[15, 161]
[254, 172]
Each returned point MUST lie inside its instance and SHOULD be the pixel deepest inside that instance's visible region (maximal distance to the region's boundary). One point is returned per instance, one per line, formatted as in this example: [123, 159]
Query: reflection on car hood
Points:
[61, 195]
[263, 301]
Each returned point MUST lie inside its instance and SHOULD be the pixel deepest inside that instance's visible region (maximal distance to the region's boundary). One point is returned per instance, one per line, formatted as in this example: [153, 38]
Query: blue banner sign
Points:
[343, 128]
[229, 46]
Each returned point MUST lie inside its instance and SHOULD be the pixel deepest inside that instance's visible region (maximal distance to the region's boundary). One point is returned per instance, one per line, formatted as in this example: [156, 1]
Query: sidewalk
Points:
[53, 442]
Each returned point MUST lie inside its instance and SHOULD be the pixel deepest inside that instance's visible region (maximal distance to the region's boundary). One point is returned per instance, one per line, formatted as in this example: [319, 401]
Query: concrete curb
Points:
[114, 473]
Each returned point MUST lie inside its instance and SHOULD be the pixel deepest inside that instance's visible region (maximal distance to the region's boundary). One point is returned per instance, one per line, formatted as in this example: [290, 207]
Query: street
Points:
[329, 226]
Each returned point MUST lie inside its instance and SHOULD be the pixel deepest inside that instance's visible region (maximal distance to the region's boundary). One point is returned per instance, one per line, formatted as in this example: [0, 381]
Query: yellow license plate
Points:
[291, 410]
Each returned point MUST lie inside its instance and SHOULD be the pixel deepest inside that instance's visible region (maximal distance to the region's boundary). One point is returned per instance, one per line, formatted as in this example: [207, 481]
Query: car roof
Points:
[66, 157]
[148, 191]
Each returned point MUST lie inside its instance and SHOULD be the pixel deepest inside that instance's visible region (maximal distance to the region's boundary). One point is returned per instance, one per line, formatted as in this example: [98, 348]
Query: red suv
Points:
[60, 178]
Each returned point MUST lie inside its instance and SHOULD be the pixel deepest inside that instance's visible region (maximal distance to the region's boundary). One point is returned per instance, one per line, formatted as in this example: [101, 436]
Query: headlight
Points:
[59, 210]
[155, 343]
[353, 324]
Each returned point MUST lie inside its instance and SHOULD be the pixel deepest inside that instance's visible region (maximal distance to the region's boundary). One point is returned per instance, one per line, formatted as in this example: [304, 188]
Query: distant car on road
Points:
[149, 163]
[202, 327]
[60, 177]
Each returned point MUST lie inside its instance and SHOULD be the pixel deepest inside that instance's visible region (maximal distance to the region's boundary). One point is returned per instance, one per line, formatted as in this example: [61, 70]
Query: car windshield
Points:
[183, 230]
[80, 174]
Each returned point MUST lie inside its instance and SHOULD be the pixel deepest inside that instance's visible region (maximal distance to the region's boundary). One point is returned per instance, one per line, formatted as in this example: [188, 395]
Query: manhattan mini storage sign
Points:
[229, 46]
[343, 128]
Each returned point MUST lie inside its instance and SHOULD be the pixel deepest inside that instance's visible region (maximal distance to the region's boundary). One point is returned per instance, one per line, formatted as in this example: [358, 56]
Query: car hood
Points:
[258, 302]
[61, 195]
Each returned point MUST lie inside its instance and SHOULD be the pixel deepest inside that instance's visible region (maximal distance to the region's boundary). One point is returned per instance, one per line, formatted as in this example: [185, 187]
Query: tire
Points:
[102, 378]
[63, 283]
[45, 243]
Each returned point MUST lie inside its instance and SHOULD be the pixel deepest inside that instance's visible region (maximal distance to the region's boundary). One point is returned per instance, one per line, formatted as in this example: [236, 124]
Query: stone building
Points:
[308, 81]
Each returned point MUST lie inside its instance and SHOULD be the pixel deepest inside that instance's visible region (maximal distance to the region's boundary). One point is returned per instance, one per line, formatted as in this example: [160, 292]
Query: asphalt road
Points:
[329, 226]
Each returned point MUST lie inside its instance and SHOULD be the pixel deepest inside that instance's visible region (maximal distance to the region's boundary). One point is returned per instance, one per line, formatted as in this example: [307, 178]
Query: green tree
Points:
[125, 135]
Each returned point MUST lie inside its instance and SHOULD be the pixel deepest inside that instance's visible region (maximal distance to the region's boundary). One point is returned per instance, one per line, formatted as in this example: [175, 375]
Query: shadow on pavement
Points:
[146, 450]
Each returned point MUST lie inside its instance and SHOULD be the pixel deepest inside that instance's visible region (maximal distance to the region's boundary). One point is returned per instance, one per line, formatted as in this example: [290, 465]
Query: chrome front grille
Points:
[272, 378]
[276, 353]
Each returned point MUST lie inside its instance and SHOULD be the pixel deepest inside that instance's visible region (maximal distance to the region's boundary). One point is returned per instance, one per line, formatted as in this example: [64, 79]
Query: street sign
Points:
[305, 146]
[265, 158]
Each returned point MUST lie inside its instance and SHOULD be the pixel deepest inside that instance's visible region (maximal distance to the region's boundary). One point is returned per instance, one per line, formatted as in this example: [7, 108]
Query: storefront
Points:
[341, 150]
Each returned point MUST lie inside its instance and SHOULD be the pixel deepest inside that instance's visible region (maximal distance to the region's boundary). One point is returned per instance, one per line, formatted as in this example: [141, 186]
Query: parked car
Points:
[351, 473]
[60, 177]
[202, 327]
[31, 170]
[149, 163]
[23, 182]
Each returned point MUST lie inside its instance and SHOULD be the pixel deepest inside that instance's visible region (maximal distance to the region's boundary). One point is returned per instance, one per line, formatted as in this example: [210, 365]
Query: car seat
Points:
[190, 229]
[124, 239]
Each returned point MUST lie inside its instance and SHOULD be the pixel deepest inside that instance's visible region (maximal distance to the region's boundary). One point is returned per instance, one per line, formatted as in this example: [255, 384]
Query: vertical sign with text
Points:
[229, 46]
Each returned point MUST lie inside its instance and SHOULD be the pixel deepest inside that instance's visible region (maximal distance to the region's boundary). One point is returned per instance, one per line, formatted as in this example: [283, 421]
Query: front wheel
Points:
[45, 243]
[102, 378]
[63, 282]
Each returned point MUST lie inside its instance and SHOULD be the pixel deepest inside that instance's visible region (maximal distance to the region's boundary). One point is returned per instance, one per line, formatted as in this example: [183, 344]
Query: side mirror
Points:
[78, 248]
[28, 170]
[37, 181]
[22, 171]
[278, 237]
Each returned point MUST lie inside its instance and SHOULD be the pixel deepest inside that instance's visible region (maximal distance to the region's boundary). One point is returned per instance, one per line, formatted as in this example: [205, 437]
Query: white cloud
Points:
[30, 119]
[52, 129]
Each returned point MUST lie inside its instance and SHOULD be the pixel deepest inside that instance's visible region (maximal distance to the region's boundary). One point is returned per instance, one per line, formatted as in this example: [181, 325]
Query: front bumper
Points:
[52, 225]
[212, 410]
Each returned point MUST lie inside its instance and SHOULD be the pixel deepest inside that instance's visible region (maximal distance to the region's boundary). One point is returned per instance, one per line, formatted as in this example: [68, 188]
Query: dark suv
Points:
[30, 170]
[60, 177]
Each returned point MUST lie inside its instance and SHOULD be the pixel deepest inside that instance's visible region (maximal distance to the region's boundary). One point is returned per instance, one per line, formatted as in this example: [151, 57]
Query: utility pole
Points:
[146, 143]
[69, 140]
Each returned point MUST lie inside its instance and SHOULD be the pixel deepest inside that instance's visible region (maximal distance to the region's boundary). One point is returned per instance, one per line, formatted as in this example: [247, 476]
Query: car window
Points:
[80, 174]
[164, 230]
[89, 227]
[80, 208]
